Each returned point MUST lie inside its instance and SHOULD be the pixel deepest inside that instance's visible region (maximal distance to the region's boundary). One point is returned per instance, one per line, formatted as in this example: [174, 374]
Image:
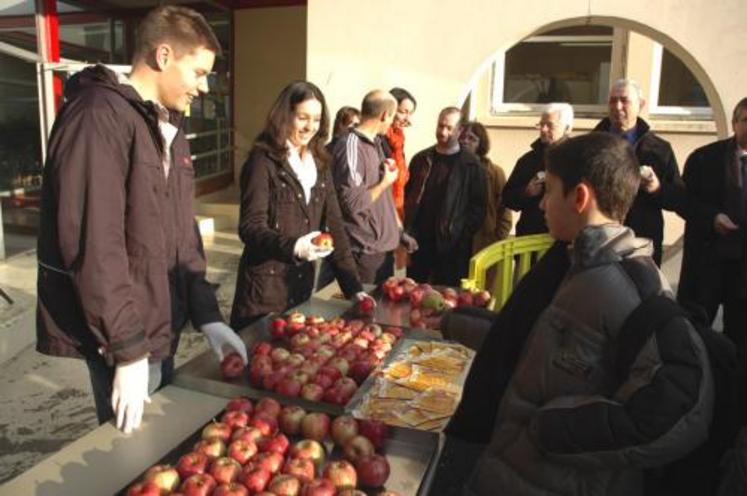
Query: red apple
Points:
[351, 492]
[332, 372]
[481, 298]
[246, 434]
[269, 460]
[295, 360]
[255, 478]
[191, 464]
[308, 449]
[312, 392]
[217, 430]
[342, 474]
[198, 485]
[285, 485]
[164, 476]
[343, 429]
[315, 426]
[301, 468]
[374, 430]
[278, 327]
[358, 447]
[268, 406]
[296, 318]
[288, 387]
[339, 363]
[242, 450]
[232, 366]
[266, 424]
[279, 355]
[319, 487]
[290, 419]
[278, 443]
[231, 489]
[271, 380]
[360, 370]
[323, 380]
[335, 395]
[235, 419]
[347, 385]
[373, 470]
[257, 374]
[225, 470]
[299, 341]
[213, 448]
[366, 306]
[261, 348]
[146, 488]
[324, 240]
[465, 299]
[241, 404]
[299, 376]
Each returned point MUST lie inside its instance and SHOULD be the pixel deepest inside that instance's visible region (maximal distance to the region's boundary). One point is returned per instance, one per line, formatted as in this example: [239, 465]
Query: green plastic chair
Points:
[512, 258]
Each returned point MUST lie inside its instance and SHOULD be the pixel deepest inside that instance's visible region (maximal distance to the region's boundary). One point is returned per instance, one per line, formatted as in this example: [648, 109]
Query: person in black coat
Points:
[714, 263]
[525, 186]
[661, 185]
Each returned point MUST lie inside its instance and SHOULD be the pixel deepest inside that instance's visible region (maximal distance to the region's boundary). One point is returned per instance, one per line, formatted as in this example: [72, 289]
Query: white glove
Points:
[304, 249]
[219, 335]
[129, 392]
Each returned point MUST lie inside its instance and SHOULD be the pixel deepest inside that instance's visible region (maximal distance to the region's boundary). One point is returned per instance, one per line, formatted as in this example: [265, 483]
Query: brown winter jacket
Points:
[121, 263]
[274, 214]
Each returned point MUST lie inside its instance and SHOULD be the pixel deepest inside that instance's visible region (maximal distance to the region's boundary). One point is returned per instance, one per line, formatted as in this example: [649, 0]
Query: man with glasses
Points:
[661, 185]
[525, 186]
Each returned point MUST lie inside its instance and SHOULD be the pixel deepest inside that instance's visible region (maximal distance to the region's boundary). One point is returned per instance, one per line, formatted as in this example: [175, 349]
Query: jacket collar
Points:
[606, 243]
[641, 127]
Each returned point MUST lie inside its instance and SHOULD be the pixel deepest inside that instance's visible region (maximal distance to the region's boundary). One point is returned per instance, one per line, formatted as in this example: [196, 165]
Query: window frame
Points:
[669, 111]
[498, 74]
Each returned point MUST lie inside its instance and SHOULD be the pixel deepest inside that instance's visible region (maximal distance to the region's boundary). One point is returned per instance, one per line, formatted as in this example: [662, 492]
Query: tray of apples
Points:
[264, 448]
[307, 358]
[404, 302]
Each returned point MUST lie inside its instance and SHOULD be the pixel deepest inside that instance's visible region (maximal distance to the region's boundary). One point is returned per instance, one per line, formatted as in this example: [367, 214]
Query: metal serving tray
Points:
[203, 374]
[412, 455]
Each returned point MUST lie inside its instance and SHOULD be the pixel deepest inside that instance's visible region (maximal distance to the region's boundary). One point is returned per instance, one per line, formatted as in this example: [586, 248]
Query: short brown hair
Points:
[741, 105]
[483, 147]
[604, 161]
[182, 28]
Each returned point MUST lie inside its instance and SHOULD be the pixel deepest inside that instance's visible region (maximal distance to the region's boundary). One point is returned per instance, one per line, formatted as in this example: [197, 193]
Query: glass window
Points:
[90, 36]
[566, 65]
[19, 25]
[678, 87]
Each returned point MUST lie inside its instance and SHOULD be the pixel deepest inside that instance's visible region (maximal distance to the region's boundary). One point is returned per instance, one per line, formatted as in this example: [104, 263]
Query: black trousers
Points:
[374, 268]
[446, 269]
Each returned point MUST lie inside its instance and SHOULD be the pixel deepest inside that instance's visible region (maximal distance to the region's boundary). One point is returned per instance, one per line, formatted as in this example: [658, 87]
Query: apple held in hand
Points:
[232, 366]
[373, 470]
[324, 240]
[366, 306]
[165, 477]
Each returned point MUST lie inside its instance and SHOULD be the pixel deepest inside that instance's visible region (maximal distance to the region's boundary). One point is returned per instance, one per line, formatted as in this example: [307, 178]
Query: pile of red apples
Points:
[319, 360]
[266, 449]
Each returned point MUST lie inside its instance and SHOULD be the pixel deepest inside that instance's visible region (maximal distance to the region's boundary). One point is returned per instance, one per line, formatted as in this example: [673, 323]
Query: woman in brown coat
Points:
[497, 225]
[287, 198]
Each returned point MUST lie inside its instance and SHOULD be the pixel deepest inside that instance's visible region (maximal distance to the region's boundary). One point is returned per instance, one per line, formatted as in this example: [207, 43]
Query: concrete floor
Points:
[46, 402]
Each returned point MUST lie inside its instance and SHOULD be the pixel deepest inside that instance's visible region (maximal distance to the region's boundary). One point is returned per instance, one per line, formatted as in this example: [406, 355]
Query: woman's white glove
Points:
[219, 335]
[129, 393]
[304, 249]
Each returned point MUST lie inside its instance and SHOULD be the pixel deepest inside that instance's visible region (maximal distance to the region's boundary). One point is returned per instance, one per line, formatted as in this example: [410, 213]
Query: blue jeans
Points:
[102, 377]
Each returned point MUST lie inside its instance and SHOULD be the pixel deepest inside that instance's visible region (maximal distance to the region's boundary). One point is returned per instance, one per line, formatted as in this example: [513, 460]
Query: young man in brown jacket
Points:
[121, 264]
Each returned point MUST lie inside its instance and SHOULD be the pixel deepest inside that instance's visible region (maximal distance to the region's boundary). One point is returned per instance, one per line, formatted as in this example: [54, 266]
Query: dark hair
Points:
[741, 105]
[182, 28]
[449, 111]
[280, 120]
[343, 118]
[604, 161]
[377, 102]
[482, 134]
[401, 94]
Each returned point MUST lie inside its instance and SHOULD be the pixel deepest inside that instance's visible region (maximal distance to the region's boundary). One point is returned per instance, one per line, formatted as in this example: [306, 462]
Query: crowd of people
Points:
[122, 267]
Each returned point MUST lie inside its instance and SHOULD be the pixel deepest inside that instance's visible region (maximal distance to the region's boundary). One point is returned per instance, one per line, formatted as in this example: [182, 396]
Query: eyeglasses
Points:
[552, 126]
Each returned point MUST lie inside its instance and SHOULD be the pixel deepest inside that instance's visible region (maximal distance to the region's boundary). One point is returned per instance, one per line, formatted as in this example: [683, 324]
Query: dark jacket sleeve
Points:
[92, 162]
[350, 178]
[343, 263]
[504, 220]
[203, 303]
[671, 196]
[634, 427]
[256, 205]
[478, 194]
[514, 196]
[699, 215]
